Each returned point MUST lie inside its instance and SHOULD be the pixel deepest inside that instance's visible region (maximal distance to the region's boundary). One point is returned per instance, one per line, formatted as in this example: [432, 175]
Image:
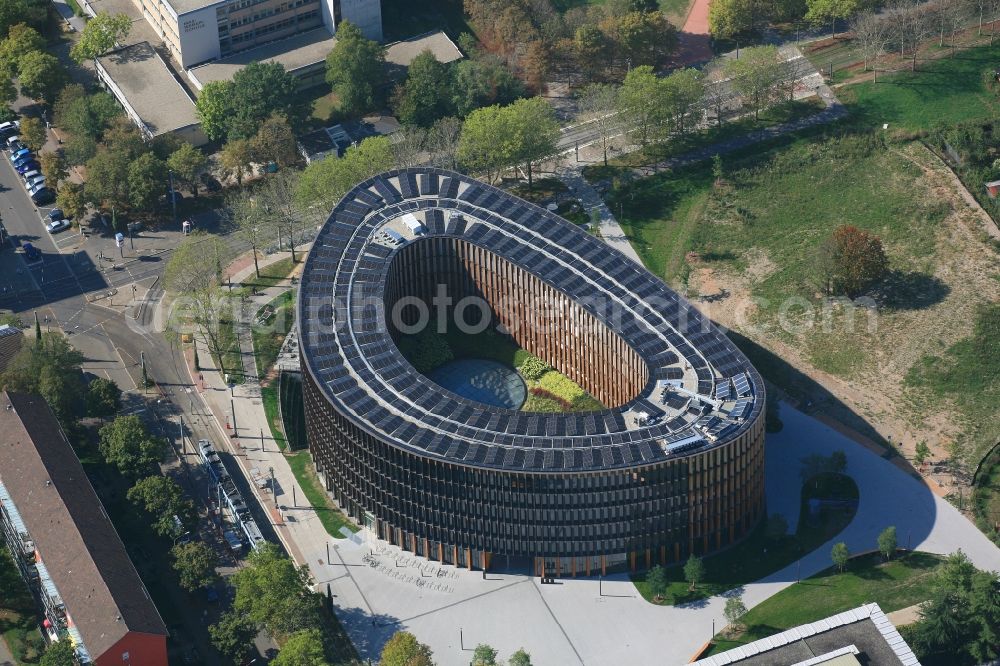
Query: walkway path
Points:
[695, 42]
[6, 658]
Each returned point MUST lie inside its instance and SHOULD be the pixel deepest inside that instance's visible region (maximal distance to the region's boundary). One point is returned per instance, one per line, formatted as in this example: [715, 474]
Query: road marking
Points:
[135, 384]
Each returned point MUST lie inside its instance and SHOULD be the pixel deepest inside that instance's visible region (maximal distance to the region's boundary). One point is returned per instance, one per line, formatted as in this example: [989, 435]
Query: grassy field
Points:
[269, 397]
[893, 585]
[331, 517]
[231, 362]
[17, 613]
[272, 274]
[946, 90]
[760, 555]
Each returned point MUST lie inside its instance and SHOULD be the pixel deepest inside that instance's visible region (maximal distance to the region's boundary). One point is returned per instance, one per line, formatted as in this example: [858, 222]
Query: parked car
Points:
[56, 226]
[19, 154]
[31, 252]
[24, 166]
[32, 189]
[28, 175]
[13, 141]
[33, 182]
[9, 128]
[55, 214]
[43, 196]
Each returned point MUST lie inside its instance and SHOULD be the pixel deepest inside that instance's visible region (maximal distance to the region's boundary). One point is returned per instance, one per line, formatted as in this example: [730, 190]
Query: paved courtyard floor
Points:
[380, 589]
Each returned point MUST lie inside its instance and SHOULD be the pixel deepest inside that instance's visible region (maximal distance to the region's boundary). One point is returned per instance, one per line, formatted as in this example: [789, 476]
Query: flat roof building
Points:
[11, 340]
[862, 636]
[65, 546]
[146, 88]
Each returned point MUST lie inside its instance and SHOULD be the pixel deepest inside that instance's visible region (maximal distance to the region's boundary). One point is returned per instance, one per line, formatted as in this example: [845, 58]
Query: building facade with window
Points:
[199, 31]
[673, 465]
[65, 547]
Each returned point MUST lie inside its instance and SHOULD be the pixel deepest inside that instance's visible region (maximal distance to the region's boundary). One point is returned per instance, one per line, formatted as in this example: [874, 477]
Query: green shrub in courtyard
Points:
[533, 368]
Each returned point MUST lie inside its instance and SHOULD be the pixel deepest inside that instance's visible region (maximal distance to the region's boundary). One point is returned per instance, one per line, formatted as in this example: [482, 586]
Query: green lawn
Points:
[272, 274]
[270, 332]
[892, 585]
[269, 397]
[758, 556]
[329, 515]
[946, 90]
[231, 362]
[18, 624]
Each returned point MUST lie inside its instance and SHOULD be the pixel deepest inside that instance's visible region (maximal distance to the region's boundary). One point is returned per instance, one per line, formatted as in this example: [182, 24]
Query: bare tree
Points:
[719, 95]
[243, 212]
[409, 146]
[873, 34]
[276, 198]
[443, 142]
[917, 24]
[599, 102]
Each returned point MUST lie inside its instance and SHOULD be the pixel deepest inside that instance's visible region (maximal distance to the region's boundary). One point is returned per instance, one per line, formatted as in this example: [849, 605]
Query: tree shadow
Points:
[910, 290]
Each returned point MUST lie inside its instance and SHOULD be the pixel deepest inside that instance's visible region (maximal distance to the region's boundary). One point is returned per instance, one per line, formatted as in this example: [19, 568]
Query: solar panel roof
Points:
[365, 378]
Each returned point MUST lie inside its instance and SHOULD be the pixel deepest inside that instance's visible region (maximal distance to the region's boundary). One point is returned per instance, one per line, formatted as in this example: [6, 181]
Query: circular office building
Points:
[641, 438]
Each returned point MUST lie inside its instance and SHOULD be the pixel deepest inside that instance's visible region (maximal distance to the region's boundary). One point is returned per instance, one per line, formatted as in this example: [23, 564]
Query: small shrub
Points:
[560, 386]
[533, 368]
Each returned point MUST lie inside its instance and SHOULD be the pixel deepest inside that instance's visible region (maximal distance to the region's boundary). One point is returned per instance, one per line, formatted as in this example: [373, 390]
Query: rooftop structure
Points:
[11, 339]
[304, 55]
[155, 101]
[64, 543]
[682, 400]
[860, 636]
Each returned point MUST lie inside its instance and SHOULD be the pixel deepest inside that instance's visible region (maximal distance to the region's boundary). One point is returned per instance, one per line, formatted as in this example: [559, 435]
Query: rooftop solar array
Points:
[348, 351]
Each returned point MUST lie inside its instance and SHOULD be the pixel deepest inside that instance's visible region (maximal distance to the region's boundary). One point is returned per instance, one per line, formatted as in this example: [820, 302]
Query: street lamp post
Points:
[173, 193]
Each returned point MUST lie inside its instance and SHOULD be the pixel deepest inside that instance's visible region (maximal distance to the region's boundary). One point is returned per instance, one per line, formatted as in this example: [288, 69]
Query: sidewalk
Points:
[6, 658]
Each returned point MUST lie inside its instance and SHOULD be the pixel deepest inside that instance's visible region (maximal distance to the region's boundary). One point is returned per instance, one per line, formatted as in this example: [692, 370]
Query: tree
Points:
[242, 211]
[872, 32]
[519, 658]
[163, 499]
[442, 142]
[20, 40]
[760, 76]
[278, 205]
[923, 451]
[14, 12]
[233, 636]
[274, 594]
[324, 182]
[645, 38]
[194, 563]
[275, 142]
[734, 611]
[656, 582]
[104, 398]
[80, 149]
[403, 649]
[355, 69]
[303, 648]
[536, 131]
[236, 159]
[107, 183]
[682, 93]
[126, 444]
[236, 109]
[194, 273]
[487, 144]
[187, 163]
[71, 200]
[214, 106]
[887, 542]
[425, 97]
[86, 115]
[777, 526]
[840, 555]
[53, 167]
[483, 81]
[50, 367]
[101, 34]
[59, 653]
[591, 49]
[484, 655]
[32, 133]
[729, 18]
[694, 571]
[853, 261]
[640, 105]
[41, 76]
[821, 11]
[598, 103]
[147, 180]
